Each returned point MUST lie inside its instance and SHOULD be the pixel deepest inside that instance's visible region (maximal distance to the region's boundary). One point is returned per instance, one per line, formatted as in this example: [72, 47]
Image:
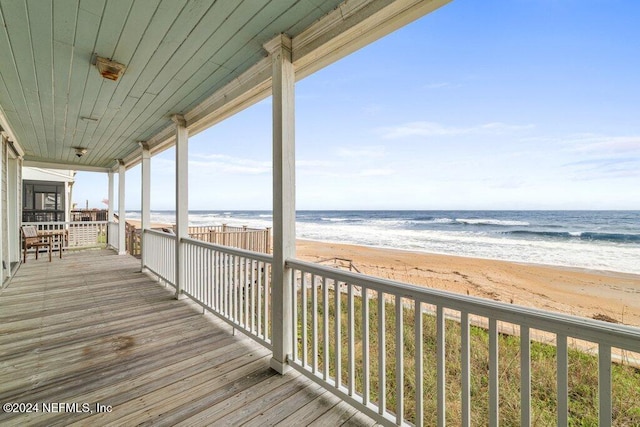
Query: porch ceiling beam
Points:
[72, 166]
[344, 30]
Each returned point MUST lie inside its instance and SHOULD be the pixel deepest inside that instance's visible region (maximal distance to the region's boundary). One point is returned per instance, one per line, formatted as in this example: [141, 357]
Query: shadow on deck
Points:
[90, 329]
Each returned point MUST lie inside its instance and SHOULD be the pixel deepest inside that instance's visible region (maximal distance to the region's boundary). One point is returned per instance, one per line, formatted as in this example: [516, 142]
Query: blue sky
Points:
[511, 104]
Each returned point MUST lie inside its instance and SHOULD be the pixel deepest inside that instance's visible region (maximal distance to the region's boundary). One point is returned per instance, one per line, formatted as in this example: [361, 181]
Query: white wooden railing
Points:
[159, 255]
[232, 283]
[113, 232]
[80, 234]
[443, 354]
[342, 352]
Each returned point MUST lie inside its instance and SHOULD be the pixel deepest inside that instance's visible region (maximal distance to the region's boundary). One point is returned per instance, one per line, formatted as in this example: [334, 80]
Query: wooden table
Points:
[63, 238]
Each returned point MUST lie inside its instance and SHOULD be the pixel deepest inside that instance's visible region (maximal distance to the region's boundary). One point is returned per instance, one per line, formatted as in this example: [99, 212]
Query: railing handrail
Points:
[223, 228]
[36, 223]
[615, 335]
[160, 233]
[258, 256]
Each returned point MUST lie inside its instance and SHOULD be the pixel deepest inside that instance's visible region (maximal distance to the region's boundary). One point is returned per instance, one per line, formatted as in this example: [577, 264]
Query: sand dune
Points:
[586, 293]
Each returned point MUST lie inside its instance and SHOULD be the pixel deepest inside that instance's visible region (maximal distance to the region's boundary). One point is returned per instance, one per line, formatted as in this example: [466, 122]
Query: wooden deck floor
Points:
[91, 329]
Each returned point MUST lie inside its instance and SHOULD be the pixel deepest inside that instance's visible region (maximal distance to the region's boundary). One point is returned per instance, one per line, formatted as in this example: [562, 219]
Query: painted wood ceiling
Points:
[177, 53]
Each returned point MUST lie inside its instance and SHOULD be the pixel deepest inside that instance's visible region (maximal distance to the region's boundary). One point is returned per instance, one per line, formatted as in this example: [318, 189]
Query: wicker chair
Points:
[30, 239]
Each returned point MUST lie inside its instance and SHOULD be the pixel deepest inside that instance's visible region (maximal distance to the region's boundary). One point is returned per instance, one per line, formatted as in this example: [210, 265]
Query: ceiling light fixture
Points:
[109, 69]
[80, 151]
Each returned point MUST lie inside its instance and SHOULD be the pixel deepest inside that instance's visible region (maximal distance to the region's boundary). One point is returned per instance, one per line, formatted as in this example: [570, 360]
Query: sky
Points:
[498, 104]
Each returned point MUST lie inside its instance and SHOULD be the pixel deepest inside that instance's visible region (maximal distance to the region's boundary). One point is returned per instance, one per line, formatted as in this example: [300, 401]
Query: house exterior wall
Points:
[14, 202]
[10, 202]
[36, 182]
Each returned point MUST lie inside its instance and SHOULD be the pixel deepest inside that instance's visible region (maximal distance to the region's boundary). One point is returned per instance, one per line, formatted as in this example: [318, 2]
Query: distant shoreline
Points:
[594, 240]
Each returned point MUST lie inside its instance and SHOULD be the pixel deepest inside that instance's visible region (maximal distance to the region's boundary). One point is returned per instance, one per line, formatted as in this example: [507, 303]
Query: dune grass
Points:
[583, 369]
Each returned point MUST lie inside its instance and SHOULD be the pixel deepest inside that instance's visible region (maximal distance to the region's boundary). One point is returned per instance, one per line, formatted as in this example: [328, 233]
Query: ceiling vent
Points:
[109, 69]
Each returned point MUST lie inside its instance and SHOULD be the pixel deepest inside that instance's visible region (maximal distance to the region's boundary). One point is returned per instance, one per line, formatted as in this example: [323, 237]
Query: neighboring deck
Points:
[90, 328]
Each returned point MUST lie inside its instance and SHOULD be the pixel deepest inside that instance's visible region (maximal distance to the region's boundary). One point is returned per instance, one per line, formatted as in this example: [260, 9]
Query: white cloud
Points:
[222, 163]
[376, 172]
[424, 128]
[314, 164]
[602, 144]
[362, 152]
[605, 168]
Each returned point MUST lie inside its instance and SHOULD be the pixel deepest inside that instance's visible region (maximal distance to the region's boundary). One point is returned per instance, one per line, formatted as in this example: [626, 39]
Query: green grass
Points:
[583, 368]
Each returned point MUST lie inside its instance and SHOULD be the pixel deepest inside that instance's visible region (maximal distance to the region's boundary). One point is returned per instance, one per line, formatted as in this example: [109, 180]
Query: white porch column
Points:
[122, 248]
[145, 202]
[182, 197]
[284, 207]
[111, 195]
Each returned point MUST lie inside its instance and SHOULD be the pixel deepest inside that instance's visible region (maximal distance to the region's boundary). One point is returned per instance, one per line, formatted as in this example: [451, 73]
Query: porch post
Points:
[122, 248]
[284, 211]
[145, 202]
[182, 199]
[111, 195]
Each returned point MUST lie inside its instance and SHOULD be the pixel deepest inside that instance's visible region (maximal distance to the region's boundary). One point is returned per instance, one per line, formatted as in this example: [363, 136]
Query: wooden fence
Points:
[250, 239]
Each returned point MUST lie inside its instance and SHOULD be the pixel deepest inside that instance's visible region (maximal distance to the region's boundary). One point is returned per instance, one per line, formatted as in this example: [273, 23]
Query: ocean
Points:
[599, 240]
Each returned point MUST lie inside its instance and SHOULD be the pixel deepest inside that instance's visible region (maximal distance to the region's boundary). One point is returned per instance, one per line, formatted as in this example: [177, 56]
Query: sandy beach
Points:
[594, 294]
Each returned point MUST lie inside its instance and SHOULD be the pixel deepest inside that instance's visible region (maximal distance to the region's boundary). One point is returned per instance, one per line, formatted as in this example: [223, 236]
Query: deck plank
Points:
[90, 328]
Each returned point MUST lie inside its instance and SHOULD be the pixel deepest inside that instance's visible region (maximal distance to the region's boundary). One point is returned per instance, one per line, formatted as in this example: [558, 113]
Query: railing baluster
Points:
[267, 294]
[525, 376]
[223, 278]
[366, 393]
[419, 340]
[465, 349]
[493, 373]
[440, 366]
[338, 337]
[235, 286]
[294, 309]
[325, 329]
[241, 291]
[260, 284]
[200, 269]
[229, 280]
[234, 289]
[399, 361]
[238, 286]
[245, 296]
[604, 385]
[314, 324]
[252, 290]
[351, 368]
[382, 357]
[562, 361]
[303, 291]
[208, 279]
[216, 281]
